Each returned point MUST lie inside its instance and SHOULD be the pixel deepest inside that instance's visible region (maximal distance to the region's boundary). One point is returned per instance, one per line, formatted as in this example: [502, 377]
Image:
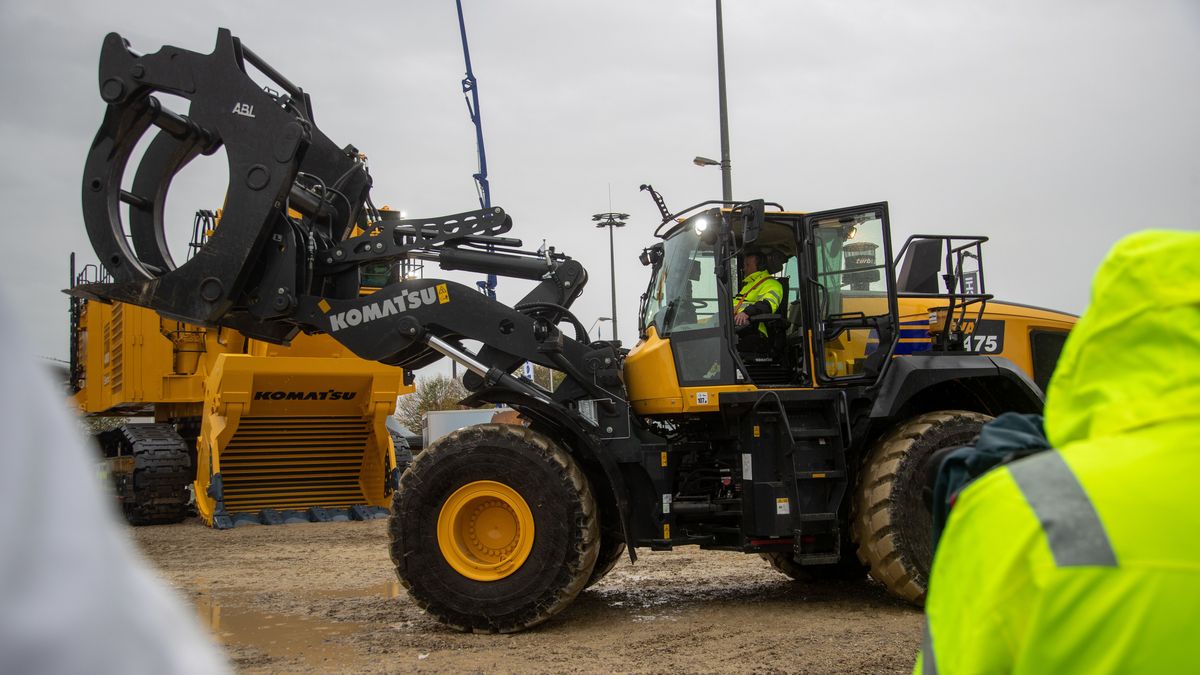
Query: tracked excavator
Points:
[810, 453]
[243, 431]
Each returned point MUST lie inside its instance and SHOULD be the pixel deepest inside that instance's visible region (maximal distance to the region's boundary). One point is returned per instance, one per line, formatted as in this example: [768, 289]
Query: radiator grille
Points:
[289, 463]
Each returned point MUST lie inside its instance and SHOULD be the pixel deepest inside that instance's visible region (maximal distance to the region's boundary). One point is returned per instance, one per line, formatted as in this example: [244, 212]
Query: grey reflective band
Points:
[928, 660]
[1073, 529]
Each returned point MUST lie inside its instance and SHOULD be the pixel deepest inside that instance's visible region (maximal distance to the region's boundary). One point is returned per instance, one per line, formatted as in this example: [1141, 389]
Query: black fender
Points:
[922, 382]
[568, 427]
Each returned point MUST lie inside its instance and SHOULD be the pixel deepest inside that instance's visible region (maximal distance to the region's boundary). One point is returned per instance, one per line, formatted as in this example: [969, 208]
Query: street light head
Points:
[597, 322]
[704, 161]
[610, 219]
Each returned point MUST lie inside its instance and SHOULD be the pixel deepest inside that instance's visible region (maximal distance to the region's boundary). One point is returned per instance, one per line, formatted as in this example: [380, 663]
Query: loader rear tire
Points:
[494, 529]
[892, 525]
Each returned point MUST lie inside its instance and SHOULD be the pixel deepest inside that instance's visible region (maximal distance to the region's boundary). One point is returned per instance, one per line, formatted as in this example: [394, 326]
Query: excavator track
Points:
[153, 486]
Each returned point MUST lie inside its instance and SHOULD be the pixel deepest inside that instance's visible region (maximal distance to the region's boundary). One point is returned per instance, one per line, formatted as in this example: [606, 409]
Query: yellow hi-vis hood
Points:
[1133, 359]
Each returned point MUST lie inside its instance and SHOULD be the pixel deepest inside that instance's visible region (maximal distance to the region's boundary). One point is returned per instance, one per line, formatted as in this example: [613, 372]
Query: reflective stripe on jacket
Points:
[1087, 558]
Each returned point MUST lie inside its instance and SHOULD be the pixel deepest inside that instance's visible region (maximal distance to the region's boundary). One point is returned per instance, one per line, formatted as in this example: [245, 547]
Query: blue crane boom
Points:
[470, 87]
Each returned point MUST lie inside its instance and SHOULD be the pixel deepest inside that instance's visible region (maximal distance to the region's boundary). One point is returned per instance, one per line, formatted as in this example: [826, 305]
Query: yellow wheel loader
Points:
[809, 449]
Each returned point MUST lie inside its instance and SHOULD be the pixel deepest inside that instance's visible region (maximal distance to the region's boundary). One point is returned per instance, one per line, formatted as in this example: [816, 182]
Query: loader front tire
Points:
[892, 525]
[494, 529]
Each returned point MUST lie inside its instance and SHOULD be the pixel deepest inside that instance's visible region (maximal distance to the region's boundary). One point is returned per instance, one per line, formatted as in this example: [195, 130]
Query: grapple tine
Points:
[165, 156]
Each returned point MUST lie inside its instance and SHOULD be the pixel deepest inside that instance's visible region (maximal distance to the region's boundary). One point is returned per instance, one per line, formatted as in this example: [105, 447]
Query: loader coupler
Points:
[287, 438]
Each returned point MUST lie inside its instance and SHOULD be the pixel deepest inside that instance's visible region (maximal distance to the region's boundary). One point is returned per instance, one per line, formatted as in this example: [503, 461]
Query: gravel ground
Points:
[323, 598]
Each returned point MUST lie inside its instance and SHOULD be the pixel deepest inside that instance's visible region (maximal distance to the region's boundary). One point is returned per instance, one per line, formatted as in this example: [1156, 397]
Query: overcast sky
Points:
[1054, 128]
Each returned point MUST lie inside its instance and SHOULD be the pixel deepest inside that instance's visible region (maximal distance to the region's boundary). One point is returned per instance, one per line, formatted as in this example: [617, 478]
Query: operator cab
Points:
[835, 322]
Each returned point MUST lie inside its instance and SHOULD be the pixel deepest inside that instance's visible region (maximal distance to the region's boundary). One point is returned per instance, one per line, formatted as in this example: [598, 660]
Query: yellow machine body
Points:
[654, 389]
[290, 433]
[277, 428]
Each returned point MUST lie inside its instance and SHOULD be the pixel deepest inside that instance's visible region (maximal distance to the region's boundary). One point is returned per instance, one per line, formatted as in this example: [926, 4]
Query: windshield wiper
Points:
[669, 313]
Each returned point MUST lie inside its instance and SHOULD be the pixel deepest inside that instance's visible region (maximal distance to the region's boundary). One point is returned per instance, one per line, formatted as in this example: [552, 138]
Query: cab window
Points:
[852, 289]
[683, 295]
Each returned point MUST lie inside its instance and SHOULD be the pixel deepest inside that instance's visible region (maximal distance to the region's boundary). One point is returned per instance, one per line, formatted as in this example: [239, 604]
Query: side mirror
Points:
[752, 211]
[652, 255]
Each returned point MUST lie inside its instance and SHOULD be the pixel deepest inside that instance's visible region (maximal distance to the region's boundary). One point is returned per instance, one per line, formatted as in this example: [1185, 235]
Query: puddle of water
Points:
[389, 590]
[277, 635]
[393, 590]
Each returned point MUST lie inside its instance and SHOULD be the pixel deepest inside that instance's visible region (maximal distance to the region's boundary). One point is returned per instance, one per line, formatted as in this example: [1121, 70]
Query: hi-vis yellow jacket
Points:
[1086, 559]
[759, 286]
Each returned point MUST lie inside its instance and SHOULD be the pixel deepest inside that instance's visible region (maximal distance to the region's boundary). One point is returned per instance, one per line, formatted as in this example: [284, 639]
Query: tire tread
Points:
[880, 544]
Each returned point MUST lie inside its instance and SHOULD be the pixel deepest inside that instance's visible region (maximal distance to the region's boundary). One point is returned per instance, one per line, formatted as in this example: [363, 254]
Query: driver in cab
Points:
[761, 294]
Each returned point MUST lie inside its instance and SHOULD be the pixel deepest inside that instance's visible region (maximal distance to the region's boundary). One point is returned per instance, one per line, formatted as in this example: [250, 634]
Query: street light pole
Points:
[726, 178]
[612, 220]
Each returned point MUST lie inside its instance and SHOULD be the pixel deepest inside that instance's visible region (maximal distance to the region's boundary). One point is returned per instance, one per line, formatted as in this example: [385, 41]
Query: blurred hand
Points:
[741, 319]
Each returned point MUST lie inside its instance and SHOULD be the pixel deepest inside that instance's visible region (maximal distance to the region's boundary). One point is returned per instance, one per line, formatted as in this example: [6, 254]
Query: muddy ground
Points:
[323, 597]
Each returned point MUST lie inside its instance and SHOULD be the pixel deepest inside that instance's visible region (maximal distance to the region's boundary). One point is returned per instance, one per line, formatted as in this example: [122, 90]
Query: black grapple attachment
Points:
[297, 227]
[253, 267]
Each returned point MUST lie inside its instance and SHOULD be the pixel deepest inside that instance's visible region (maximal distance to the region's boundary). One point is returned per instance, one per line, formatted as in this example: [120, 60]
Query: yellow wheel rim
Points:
[485, 530]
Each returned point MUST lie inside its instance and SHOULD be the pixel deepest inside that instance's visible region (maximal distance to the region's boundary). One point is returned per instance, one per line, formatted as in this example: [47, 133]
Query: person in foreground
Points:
[1086, 557]
[75, 597]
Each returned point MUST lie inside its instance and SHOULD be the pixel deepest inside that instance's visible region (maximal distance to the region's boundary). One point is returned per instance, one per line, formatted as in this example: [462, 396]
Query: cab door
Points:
[849, 294]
